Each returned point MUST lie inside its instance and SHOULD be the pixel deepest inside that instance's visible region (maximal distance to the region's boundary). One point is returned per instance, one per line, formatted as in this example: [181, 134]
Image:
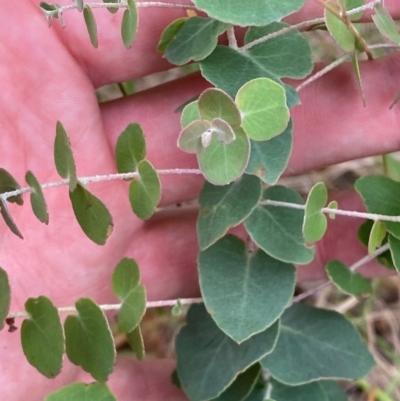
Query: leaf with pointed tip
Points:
[91, 25]
[42, 336]
[79, 5]
[5, 297]
[203, 349]
[129, 24]
[268, 159]
[190, 113]
[170, 33]
[223, 163]
[130, 148]
[229, 275]
[223, 207]
[82, 392]
[38, 201]
[385, 24]
[91, 214]
[376, 236]
[63, 156]
[145, 192]
[112, 10]
[7, 184]
[195, 40]
[88, 340]
[5, 213]
[135, 341]
[126, 286]
[332, 205]
[277, 230]
[350, 282]
[315, 222]
[190, 138]
[261, 12]
[307, 351]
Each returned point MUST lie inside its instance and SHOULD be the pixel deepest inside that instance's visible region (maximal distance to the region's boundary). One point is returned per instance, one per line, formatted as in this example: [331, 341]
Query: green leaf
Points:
[8, 184]
[350, 4]
[48, 7]
[261, 12]
[332, 205]
[223, 207]
[8, 219]
[5, 297]
[79, 5]
[394, 244]
[307, 351]
[190, 113]
[277, 230]
[215, 103]
[126, 286]
[42, 336]
[135, 341]
[170, 33]
[130, 148]
[112, 10]
[376, 236]
[237, 285]
[262, 103]
[91, 26]
[38, 201]
[63, 156]
[82, 392]
[223, 163]
[338, 29]
[190, 138]
[268, 159]
[145, 192]
[176, 310]
[385, 24]
[195, 40]
[321, 390]
[242, 385]
[392, 166]
[350, 282]
[381, 196]
[258, 391]
[203, 351]
[88, 339]
[315, 222]
[91, 214]
[129, 24]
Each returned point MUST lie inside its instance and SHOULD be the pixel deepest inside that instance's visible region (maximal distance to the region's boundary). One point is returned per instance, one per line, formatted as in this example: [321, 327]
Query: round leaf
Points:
[112, 10]
[170, 33]
[129, 24]
[190, 113]
[38, 201]
[190, 138]
[82, 392]
[5, 297]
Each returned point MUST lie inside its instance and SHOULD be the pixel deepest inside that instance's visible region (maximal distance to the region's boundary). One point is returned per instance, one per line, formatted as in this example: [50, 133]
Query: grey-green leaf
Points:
[79, 5]
[5, 297]
[307, 351]
[277, 229]
[170, 33]
[384, 22]
[8, 219]
[223, 207]
[42, 336]
[135, 341]
[394, 244]
[91, 214]
[38, 201]
[145, 192]
[237, 285]
[203, 351]
[8, 184]
[129, 24]
[63, 156]
[190, 113]
[130, 148]
[82, 392]
[91, 25]
[88, 339]
[112, 10]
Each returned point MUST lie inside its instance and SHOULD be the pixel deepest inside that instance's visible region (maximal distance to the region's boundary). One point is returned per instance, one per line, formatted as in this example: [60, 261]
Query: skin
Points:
[50, 74]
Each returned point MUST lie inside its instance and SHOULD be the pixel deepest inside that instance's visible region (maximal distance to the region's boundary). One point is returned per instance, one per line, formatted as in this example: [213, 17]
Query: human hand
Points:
[50, 74]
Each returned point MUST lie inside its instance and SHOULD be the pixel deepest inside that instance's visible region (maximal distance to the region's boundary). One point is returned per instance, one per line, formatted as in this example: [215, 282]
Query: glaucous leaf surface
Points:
[89, 341]
[5, 297]
[384, 22]
[8, 184]
[350, 282]
[323, 390]
[42, 336]
[261, 12]
[190, 113]
[8, 219]
[170, 33]
[112, 10]
[315, 222]
[63, 156]
[129, 24]
[381, 196]
[307, 351]
[135, 341]
[332, 205]
[203, 351]
[223, 207]
[394, 244]
[91, 214]
[195, 40]
[262, 104]
[376, 236]
[258, 391]
[277, 230]
[268, 159]
[245, 293]
[130, 148]
[190, 138]
[79, 5]
[126, 286]
[91, 25]
[38, 201]
[145, 191]
[82, 392]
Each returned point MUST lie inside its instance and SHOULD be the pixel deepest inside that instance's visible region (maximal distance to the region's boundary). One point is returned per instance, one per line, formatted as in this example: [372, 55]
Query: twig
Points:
[232, 38]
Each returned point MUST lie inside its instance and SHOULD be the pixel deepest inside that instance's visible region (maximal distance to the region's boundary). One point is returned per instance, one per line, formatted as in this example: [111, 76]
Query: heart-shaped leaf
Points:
[5, 297]
[82, 392]
[38, 201]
